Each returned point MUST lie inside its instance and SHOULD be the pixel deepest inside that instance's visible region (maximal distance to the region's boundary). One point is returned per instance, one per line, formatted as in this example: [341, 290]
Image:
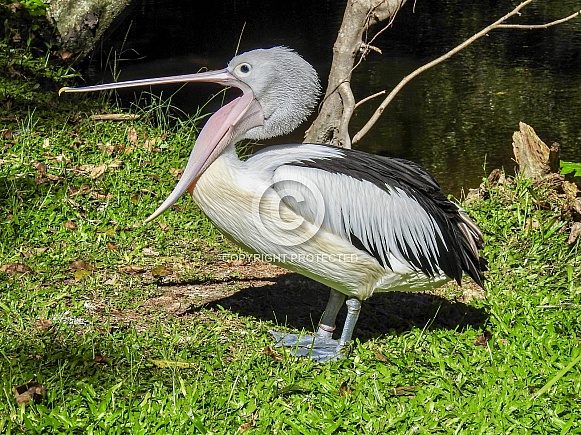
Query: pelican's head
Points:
[279, 91]
[284, 84]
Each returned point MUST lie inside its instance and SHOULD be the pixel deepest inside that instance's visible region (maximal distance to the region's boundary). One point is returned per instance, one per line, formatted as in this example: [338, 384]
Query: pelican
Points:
[356, 222]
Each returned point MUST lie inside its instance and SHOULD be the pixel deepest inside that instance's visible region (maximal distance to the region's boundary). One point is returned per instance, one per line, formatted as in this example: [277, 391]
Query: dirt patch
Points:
[230, 278]
[270, 293]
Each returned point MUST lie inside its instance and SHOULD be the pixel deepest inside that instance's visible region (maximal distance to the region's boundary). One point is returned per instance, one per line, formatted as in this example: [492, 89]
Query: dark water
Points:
[452, 119]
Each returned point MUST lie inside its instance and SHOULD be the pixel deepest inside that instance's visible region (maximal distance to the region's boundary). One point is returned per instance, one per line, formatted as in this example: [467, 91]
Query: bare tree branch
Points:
[390, 22]
[538, 26]
[496, 25]
[348, 108]
[349, 50]
[370, 97]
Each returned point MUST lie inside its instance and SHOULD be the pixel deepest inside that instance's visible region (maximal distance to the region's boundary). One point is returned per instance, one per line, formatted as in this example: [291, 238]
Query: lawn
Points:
[111, 326]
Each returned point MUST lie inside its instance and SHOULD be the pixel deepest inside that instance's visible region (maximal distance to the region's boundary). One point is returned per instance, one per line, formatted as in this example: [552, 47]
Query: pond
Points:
[456, 120]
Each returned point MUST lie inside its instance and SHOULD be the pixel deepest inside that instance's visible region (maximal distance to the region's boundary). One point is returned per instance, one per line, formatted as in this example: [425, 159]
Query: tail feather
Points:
[474, 240]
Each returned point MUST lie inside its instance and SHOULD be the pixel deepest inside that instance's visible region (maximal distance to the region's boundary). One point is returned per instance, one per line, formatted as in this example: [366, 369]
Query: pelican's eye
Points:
[243, 69]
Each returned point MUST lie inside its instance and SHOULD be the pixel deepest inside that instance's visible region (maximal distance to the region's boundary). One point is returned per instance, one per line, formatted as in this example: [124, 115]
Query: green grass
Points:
[111, 364]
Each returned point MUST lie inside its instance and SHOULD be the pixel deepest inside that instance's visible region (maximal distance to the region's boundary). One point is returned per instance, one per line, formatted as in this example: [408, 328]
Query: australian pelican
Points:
[357, 222]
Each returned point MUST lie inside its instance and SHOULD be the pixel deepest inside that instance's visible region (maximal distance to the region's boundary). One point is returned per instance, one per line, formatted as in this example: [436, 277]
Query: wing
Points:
[390, 208]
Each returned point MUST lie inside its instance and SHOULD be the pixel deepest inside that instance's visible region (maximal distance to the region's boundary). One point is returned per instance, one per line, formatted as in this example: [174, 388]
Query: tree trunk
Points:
[82, 23]
[332, 123]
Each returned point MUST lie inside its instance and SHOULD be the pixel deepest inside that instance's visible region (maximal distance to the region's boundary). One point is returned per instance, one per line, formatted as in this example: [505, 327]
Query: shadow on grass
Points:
[298, 302]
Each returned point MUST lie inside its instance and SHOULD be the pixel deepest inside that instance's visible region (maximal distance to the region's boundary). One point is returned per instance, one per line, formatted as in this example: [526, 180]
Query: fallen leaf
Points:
[115, 117]
[245, 426]
[98, 171]
[49, 177]
[110, 281]
[344, 390]
[15, 268]
[248, 425]
[83, 190]
[164, 227]
[101, 197]
[44, 324]
[483, 339]
[64, 55]
[70, 225]
[149, 144]
[40, 168]
[14, 7]
[106, 230]
[132, 269]
[273, 354]
[6, 133]
[76, 118]
[110, 149]
[575, 231]
[161, 271]
[148, 252]
[112, 247]
[132, 135]
[81, 265]
[404, 391]
[32, 391]
[116, 164]
[100, 359]
[46, 143]
[81, 274]
[85, 168]
[52, 177]
[73, 204]
[9, 117]
[381, 357]
[176, 172]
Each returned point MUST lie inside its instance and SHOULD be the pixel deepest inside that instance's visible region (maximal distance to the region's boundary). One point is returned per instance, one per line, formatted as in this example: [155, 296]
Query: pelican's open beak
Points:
[224, 127]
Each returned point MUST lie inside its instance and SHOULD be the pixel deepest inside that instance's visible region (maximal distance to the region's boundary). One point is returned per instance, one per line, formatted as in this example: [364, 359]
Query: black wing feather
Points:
[456, 252]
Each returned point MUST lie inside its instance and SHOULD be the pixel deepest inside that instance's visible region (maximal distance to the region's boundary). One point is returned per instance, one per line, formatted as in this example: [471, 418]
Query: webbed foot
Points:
[319, 348]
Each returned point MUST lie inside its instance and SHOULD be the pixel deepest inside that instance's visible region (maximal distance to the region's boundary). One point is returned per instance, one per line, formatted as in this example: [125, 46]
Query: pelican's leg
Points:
[353, 310]
[321, 346]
